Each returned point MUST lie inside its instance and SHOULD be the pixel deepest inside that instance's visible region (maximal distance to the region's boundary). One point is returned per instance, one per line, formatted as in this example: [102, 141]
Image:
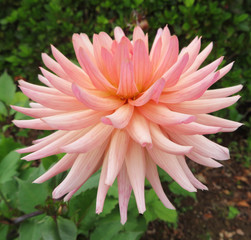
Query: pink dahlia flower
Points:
[127, 110]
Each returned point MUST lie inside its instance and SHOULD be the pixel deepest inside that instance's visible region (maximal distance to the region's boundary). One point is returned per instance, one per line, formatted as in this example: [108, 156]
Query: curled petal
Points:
[136, 168]
[94, 101]
[33, 123]
[120, 118]
[138, 129]
[153, 93]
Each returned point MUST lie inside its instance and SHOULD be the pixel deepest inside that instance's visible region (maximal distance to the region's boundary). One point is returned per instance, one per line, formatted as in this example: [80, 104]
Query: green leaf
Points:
[232, 212]
[177, 189]
[109, 205]
[164, 213]
[8, 166]
[189, 3]
[67, 229]
[7, 145]
[3, 110]
[31, 195]
[128, 235]
[7, 89]
[49, 229]
[3, 231]
[29, 230]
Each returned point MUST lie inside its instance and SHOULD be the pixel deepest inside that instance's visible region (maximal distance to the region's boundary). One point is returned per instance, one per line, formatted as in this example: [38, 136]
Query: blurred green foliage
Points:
[27, 28]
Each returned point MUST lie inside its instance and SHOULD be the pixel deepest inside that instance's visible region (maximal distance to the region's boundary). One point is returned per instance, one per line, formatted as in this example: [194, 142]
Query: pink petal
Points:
[153, 92]
[43, 80]
[202, 145]
[155, 54]
[55, 146]
[118, 34]
[138, 129]
[33, 124]
[171, 165]
[160, 114]
[205, 161]
[36, 112]
[33, 87]
[224, 124]
[136, 168]
[124, 191]
[222, 92]
[62, 165]
[193, 128]
[93, 138]
[58, 83]
[98, 80]
[102, 187]
[169, 58]
[190, 93]
[138, 34]
[192, 49]
[54, 67]
[163, 143]
[116, 155]
[172, 76]
[96, 102]
[153, 177]
[197, 76]
[57, 102]
[225, 70]
[204, 105]
[120, 118]
[74, 120]
[127, 86]
[199, 60]
[141, 64]
[83, 167]
[190, 175]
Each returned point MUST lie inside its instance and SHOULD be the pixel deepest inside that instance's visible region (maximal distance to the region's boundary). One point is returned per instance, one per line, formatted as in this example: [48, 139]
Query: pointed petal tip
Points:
[123, 221]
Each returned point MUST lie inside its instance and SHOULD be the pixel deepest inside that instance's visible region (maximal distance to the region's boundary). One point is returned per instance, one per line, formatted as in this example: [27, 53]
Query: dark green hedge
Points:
[28, 27]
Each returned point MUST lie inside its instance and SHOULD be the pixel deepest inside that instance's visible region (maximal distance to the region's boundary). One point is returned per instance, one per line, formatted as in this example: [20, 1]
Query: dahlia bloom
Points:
[128, 111]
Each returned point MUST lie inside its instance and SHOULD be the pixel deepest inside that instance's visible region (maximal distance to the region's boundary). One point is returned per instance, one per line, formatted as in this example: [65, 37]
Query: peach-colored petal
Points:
[58, 83]
[57, 102]
[62, 165]
[171, 165]
[33, 123]
[221, 92]
[97, 78]
[138, 34]
[124, 190]
[93, 138]
[83, 167]
[120, 118]
[153, 177]
[116, 155]
[153, 93]
[102, 187]
[164, 143]
[94, 101]
[74, 120]
[138, 129]
[43, 80]
[136, 168]
[141, 64]
[202, 145]
[160, 114]
[76, 74]
[190, 175]
[200, 106]
[118, 34]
